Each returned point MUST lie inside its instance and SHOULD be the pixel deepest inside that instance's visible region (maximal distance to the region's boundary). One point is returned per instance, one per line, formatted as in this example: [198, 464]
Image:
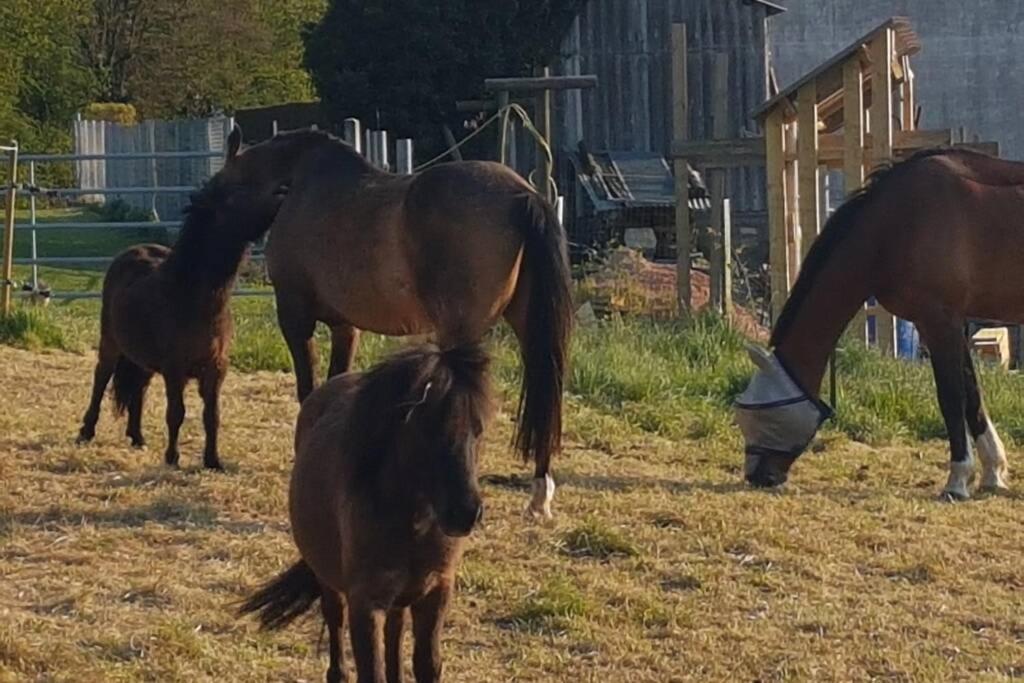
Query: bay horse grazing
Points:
[937, 239]
[383, 493]
[448, 251]
[166, 311]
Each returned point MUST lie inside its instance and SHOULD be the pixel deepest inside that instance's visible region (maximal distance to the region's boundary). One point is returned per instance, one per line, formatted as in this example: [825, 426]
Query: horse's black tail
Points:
[549, 319]
[285, 598]
[130, 382]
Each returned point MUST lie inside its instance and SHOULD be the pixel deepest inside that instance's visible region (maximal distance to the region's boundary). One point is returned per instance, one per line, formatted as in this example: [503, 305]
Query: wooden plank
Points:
[792, 208]
[808, 178]
[680, 132]
[908, 96]
[727, 304]
[853, 158]
[720, 130]
[775, 166]
[539, 83]
[882, 150]
[721, 153]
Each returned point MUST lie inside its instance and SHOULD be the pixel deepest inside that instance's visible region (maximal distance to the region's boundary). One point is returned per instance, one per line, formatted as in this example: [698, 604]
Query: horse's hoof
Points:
[138, 444]
[948, 496]
[213, 465]
[171, 459]
[83, 439]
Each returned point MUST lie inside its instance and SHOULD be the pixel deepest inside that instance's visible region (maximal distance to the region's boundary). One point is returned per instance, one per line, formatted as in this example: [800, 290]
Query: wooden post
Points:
[907, 95]
[720, 131]
[853, 155]
[778, 248]
[543, 162]
[680, 133]
[882, 152]
[353, 133]
[793, 246]
[809, 181]
[727, 307]
[8, 263]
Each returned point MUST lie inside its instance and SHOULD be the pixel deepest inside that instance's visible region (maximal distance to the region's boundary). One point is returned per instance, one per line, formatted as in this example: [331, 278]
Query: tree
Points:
[403, 64]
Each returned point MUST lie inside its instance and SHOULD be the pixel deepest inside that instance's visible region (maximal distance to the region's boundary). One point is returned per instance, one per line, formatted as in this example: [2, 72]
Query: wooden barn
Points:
[627, 44]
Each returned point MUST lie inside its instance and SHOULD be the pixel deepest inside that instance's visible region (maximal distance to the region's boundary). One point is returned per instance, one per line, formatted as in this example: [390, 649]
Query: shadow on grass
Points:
[169, 513]
[615, 484]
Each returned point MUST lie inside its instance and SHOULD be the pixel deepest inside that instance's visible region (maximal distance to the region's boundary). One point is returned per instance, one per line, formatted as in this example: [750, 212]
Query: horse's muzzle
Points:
[459, 522]
[768, 470]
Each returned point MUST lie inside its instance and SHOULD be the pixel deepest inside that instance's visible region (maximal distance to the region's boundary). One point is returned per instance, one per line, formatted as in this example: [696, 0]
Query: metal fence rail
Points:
[96, 182]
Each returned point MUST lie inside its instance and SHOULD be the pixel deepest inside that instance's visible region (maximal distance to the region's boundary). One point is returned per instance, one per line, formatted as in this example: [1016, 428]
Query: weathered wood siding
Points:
[627, 43]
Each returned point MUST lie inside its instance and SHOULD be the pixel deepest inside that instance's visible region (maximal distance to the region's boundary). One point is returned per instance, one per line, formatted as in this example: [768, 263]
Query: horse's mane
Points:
[423, 380]
[194, 252]
[836, 230]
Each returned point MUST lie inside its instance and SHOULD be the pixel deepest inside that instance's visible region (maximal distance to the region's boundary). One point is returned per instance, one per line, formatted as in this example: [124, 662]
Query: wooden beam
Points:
[808, 178]
[775, 166]
[792, 208]
[680, 132]
[853, 157]
[908, 95]
[720, 131]
[882, 150]
[721, 153]
[535, 84]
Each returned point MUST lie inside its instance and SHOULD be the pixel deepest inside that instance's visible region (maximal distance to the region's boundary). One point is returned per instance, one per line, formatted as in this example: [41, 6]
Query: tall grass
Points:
[670, 379]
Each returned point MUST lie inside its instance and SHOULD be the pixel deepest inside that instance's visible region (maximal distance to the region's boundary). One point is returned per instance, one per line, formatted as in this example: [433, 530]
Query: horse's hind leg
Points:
[134, 430]
[297, 325]
[175, 386]
[334, 619]
[394, 629]
[209, 388]
[948, 348]
[543, 486]
[987, 443]
[427, 622]
[105, 365]
[344, 339]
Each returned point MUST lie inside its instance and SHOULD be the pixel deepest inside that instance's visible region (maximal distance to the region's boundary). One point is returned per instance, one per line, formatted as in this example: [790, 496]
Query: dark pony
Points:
[383, 493]
[166, 311]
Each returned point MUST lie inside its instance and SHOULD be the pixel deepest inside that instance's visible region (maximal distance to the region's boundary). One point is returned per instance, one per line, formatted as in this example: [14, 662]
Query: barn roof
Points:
[830, 73]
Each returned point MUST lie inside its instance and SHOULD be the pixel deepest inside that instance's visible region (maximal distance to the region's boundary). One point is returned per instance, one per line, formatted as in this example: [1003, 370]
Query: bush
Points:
[114, 112]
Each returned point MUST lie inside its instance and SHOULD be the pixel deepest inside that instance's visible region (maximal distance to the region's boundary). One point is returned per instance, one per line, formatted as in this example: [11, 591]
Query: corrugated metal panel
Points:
[627, 43]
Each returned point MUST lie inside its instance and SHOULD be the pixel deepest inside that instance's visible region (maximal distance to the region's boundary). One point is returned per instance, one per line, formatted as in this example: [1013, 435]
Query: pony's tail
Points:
[549, 319]
[285, 598]
[130, 382]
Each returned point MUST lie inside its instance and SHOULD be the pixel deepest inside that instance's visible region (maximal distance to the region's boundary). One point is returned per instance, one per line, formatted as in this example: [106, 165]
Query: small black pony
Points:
[383, 493]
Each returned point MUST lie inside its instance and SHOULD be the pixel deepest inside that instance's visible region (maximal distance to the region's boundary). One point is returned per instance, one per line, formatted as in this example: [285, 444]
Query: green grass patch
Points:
[596, 540]
[29, 329]
[551, 608]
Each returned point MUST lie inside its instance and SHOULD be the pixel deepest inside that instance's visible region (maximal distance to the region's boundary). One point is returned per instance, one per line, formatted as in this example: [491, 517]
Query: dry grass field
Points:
[660, 566]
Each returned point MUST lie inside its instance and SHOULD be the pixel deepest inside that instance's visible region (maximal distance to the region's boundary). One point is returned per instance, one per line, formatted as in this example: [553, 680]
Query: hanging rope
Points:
[505, 116]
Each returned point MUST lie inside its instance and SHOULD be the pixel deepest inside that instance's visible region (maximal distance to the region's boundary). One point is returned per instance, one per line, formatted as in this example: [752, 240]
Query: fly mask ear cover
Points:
[775, 414]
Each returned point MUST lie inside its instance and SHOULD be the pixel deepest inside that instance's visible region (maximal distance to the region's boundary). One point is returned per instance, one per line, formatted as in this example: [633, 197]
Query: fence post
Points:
[8, 271]
[353, 133]
[403, 155]
[32, 222]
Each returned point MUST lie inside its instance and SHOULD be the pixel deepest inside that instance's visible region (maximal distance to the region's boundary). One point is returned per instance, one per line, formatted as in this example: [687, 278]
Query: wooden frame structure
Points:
[855, 111]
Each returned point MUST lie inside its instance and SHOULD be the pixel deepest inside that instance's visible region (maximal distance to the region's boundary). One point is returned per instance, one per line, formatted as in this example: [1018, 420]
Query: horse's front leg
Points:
[394, 629]
[366, 624]
[209, 388]
[988, 445]
[428, 622]
[297, 324]
[174, 383]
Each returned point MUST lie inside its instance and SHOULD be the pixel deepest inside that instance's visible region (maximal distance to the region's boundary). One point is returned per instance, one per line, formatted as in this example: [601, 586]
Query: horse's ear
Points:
[760, 357]
[234, 141]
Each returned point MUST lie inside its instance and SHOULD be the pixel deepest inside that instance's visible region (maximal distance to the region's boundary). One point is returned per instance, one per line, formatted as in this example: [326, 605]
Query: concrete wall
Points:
[970, 70]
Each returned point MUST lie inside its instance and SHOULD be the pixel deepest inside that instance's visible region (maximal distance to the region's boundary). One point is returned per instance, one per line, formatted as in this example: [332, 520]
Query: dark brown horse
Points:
[938, 239]
[166, 311]
[448, 252]
[383, 492]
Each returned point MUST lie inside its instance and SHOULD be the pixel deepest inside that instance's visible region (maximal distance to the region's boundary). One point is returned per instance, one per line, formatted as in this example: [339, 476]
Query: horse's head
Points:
[252, 184]
[416, 427]
[445, 424]
[778, 420]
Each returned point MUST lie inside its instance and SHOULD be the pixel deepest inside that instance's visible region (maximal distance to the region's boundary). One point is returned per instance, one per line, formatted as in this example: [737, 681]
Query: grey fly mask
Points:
[776, 416]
